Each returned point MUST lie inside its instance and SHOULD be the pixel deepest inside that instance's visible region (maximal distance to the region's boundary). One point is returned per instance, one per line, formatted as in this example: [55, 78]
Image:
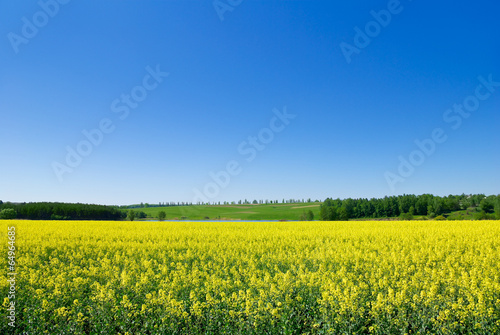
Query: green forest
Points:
[58, 211]
[408, 206]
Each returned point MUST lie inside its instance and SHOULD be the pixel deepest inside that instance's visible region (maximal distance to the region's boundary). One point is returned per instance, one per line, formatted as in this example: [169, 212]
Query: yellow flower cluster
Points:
[356, 277]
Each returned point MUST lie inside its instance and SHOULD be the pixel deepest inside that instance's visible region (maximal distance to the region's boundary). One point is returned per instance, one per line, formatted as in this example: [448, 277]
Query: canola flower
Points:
[356, 277]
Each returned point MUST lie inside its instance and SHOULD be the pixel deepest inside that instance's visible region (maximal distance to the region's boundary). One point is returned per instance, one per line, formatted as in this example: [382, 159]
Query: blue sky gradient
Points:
[353, 120]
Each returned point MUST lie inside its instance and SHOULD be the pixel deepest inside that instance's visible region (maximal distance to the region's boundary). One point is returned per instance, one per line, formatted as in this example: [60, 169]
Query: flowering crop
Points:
[356, 277]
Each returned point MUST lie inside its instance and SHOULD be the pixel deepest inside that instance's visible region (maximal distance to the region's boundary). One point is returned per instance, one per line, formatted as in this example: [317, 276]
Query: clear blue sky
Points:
[67, 69]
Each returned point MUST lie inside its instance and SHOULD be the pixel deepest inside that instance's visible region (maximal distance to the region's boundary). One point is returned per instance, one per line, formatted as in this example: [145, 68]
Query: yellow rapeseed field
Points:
[414, 277]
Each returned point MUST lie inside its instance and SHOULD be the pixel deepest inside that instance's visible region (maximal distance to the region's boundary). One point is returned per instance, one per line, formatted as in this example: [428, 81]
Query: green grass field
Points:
[236, 212]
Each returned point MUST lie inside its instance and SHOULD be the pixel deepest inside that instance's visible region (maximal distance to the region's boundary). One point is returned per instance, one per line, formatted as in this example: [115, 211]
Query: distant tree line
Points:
[216, 203]
[59, 211]
[160, 204]
[406, 206]
[267, 202]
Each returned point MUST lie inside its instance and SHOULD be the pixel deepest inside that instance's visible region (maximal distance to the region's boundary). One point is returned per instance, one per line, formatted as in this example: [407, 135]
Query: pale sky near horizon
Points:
[121, 102]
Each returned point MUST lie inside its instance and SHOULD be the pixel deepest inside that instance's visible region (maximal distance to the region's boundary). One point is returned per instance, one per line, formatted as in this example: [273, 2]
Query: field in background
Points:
[236, 212]
[81, 277]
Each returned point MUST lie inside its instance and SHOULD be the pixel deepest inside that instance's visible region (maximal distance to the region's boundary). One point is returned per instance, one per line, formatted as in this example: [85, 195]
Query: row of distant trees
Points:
[260, 202]
[215, 203]
[406, 206]
[59, 211]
